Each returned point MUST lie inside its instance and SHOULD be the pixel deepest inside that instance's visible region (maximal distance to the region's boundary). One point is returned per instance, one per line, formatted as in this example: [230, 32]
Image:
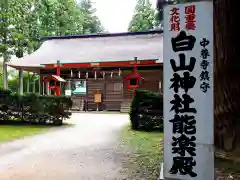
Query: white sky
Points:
[115, 15]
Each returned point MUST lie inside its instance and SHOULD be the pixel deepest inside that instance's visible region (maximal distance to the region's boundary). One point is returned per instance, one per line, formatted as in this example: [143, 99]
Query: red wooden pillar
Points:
[135, 70]
[58, 73]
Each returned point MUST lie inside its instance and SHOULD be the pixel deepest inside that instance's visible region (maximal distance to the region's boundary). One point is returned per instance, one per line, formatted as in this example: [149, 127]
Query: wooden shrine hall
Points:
[92, 69]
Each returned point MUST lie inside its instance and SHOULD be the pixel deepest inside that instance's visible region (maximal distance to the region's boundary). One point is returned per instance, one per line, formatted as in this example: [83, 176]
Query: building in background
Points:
[98, 63]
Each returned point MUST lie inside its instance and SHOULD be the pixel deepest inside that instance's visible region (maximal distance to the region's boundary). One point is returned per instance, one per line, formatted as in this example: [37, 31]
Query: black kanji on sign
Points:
[204, 87]
[182, 106]
[204, 76]
[184, 124]
[186, 82]
[204, 53]
[184, 166]
[182, 42]
[184, 144]
[204, 64]
[177, 103]
[183, 66]
[204, 42]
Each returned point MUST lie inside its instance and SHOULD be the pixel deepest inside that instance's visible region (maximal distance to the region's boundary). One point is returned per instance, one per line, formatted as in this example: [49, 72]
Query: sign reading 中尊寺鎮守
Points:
[188, 91]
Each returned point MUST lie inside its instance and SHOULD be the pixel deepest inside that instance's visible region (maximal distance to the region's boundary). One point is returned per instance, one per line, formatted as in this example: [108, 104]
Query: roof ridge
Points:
[99, 35]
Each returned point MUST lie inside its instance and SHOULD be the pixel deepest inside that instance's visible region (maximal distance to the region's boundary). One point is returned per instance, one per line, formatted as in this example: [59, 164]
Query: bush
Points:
[147, 111]
[33, 108]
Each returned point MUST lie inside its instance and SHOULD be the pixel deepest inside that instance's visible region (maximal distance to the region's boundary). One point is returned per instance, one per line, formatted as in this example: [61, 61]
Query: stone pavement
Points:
[87, 150]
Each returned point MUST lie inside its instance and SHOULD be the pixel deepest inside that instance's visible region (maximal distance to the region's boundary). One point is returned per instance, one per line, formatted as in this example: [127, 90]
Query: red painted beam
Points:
[103, 64]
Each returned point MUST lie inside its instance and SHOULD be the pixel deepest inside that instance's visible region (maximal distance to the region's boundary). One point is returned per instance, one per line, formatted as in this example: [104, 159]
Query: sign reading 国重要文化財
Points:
[188, 91]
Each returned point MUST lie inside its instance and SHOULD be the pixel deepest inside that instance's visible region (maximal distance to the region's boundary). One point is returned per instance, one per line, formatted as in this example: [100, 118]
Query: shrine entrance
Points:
[110, 85]
[107, 83]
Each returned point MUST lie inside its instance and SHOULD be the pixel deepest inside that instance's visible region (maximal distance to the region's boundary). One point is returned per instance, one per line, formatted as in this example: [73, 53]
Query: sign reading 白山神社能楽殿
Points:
[188, 91]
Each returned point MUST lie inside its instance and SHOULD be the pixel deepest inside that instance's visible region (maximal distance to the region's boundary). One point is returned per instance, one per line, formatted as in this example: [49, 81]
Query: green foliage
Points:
[143, 18]
[13, 82]
[91, 23]
[161, 4]
[33, 108]
[147, 111]
[25, 21]
[1, 73]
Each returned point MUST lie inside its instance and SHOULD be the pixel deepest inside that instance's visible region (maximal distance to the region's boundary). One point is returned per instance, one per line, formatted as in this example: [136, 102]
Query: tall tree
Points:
[143, 18]
[91, 23]
[4, 29]
[1, 73]
[23, 22]
[226, 75]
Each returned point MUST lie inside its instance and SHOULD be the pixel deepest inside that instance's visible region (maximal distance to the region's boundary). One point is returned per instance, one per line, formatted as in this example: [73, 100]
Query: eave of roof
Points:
[83, 36]
[100, 48]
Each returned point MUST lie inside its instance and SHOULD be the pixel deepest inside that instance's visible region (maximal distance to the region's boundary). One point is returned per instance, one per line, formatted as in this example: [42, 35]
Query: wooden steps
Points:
[113, 105]
[125, 106]
[78, 102]
[91, 106]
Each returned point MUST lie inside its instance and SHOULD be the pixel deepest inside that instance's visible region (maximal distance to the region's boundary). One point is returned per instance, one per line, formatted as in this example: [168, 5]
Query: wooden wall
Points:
[92, 87]
[111, 90]
[115, 91]
[150, 82]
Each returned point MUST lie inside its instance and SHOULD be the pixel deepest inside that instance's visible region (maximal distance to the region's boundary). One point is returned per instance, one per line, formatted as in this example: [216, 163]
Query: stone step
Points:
[125, 106]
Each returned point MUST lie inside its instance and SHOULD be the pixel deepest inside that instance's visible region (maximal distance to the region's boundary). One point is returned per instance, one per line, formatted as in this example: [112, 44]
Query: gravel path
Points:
[88, 150]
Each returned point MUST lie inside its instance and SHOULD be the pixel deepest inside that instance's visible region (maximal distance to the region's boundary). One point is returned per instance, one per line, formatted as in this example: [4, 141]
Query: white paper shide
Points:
[188, 91]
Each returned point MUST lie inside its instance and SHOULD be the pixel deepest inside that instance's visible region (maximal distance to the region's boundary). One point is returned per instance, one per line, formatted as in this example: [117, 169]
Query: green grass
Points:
[146, 148]
[146, 154]
[229, 166]
[12, 132]
[226, 168]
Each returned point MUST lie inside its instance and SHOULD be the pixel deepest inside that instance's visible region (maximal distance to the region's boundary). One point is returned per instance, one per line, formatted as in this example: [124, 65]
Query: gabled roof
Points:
[55, 78]
[58, 78]
[95, 48]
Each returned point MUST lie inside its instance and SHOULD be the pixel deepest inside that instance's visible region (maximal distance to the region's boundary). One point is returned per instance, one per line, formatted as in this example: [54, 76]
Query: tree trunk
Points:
[4, 6]
[226, 76]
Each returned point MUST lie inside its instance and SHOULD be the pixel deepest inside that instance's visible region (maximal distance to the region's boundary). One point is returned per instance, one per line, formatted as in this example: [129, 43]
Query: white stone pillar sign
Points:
[188, 91]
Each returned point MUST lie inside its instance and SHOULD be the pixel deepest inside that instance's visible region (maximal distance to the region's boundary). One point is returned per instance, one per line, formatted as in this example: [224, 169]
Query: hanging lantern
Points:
[111, 74]
[86, 75]
[119, 72]
[71, 73]
[133, 78]
[79, 74]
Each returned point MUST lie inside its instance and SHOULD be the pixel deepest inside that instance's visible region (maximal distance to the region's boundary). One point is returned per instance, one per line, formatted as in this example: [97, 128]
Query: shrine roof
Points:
[99, 35]
[54, 77]
[95, 48]
[58, 78]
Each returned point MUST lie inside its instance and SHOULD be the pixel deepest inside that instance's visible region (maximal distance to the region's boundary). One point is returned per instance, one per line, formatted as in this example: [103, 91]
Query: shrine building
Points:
[82, 66]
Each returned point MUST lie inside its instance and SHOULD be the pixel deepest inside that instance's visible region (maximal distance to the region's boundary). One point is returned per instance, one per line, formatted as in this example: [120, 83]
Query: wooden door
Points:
[113, 95]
